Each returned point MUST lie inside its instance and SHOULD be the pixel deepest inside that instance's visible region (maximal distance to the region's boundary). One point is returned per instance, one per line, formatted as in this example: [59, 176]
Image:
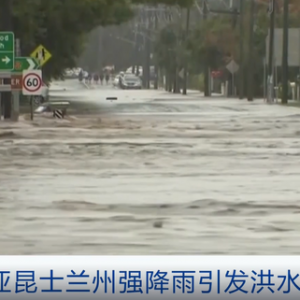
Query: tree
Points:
[213, 42]
[209, 44]
[61, 26]
[104, 43]
[171, 52]
[103, 48]
[165, 52]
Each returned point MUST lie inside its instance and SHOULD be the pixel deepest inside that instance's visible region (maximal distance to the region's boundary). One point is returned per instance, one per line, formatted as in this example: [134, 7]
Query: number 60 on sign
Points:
[32, 82]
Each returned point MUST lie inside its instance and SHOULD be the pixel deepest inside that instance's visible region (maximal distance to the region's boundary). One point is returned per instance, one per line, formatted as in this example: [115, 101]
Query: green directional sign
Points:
[25, 63]
[7, 51]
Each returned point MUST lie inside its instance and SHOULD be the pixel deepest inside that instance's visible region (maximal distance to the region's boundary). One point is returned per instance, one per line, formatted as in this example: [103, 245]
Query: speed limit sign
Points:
[32, 82]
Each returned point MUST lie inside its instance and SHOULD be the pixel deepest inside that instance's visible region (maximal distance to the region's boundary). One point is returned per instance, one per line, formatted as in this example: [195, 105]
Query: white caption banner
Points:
[138, 277]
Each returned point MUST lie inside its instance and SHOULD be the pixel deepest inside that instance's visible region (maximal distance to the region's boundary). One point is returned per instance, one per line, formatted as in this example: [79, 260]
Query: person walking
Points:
[89, 78]
[101, 78]
[107, 78]
[96, 78]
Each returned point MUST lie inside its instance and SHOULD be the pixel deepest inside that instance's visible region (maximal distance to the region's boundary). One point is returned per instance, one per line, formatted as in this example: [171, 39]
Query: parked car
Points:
[130, 81]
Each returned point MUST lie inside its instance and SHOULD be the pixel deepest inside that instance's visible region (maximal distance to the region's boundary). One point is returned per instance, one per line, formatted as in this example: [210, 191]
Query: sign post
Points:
[20, 73]
[32, 82]
[41, 54]
[7, 51]
[21, 64]
[24, 63]
[270, 89]
[232, 67]
[271, 6]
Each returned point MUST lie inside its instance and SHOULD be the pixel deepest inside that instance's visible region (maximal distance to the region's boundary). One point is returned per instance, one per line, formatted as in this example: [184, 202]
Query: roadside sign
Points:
[25, 63]
[32, 82]
[7, 50]
[271, 6]
[270, 89]
[232, 67]
[181, 73]
[41, 54]
[16, 82]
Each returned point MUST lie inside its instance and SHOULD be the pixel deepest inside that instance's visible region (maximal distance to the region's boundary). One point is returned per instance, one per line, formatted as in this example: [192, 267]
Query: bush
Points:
[279, 91]
[196, 82]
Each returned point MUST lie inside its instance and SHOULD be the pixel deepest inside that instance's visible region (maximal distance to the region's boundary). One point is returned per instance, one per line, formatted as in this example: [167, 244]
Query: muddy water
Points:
[168, 179]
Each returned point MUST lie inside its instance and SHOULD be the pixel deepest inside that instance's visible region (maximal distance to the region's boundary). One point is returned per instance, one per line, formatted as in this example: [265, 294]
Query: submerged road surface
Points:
[152, 175]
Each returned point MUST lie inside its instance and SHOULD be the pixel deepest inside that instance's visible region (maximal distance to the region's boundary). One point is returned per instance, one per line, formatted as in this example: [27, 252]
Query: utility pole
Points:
[135, 54]
[206, 66]
[148, 50]
[270, 81]
[146, 68]
[155, 63]
[250, 86]
[234, 12]
[285, 66]
[7, 25]
[144, 22]
[241, 77]
[187, 29]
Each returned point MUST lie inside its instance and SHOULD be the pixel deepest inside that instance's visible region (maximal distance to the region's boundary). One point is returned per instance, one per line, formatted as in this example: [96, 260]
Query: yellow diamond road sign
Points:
[41, 54]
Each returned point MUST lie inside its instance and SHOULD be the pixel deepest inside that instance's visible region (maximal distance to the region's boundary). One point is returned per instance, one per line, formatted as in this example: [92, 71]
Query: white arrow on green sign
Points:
[25, 63]
[7, 50]
[6, 60]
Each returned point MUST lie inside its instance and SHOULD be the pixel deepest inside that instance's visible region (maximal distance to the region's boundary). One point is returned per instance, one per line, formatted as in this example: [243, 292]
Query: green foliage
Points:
[164, 46]
[211, 41]
[279, 91]
[215, 41]
[196, 82]
[61, 26]
[206, 44]
[170, 47]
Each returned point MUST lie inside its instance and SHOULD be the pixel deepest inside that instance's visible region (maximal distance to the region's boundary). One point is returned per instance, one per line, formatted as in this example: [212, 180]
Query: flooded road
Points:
[153, 176]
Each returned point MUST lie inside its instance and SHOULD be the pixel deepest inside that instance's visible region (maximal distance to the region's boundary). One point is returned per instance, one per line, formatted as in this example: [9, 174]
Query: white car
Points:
[69, 73]
[116, 81]
[85, 74]
[77, 71]
[131, 81]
